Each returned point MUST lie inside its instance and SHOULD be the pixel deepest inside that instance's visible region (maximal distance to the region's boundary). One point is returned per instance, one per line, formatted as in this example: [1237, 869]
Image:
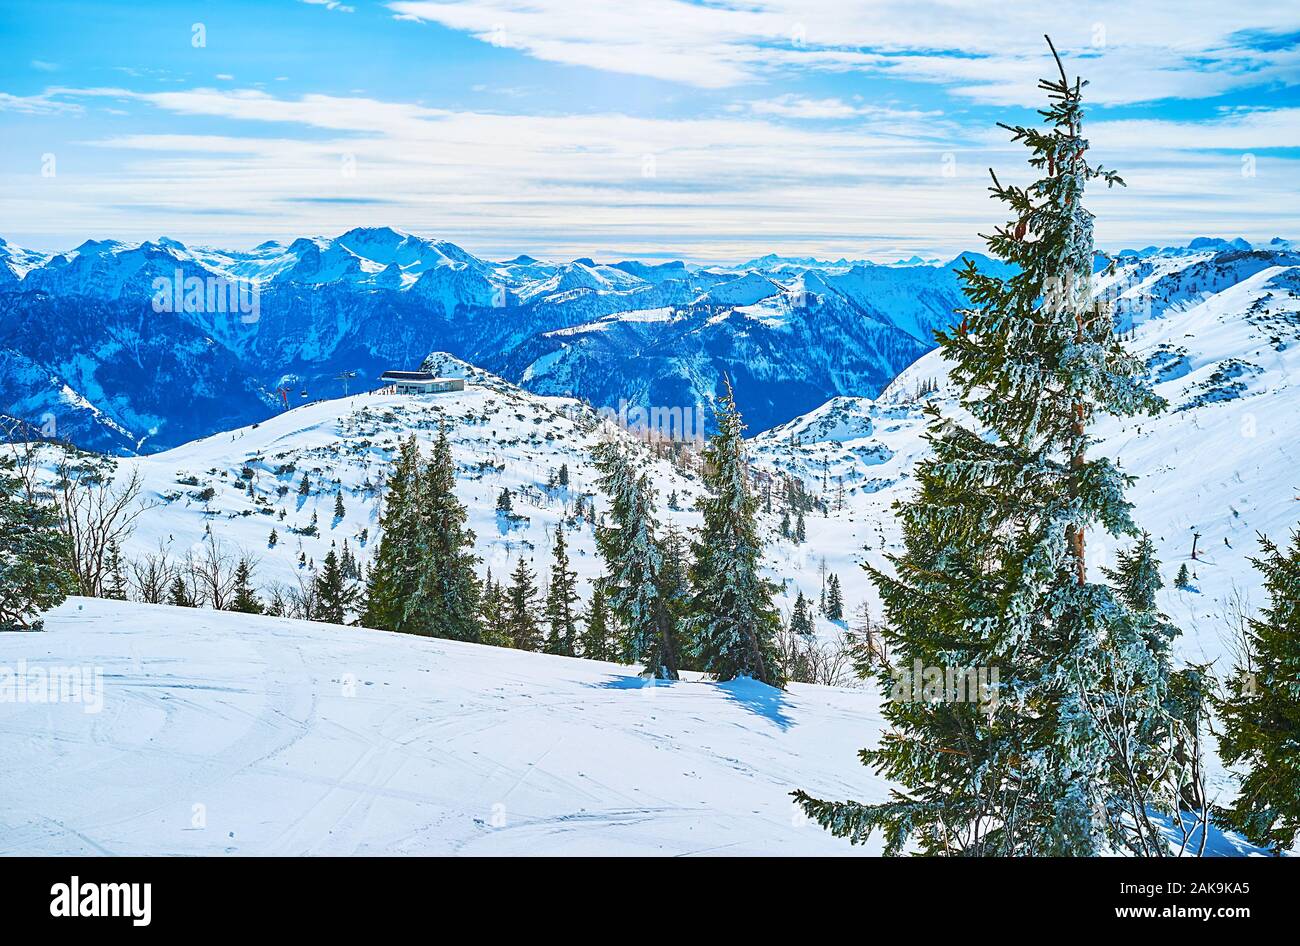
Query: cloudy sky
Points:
[708, 130]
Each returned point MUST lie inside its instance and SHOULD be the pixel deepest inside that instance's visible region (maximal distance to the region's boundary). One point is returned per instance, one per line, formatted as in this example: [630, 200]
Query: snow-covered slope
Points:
[229, 734]
[242, 484]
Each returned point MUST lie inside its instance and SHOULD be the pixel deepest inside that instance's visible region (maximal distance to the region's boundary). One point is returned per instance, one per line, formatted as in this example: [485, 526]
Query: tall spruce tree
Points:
[34, 554]
[1260, 710]
[834, 599]
[395, 571]
[994, 574]
[597, 641]
[520, 622]
[561, 596]
[732, 621]
[801, 621]
[675, 585]
[492, 611]
[335, 592]
[445, 599]
[634, 561]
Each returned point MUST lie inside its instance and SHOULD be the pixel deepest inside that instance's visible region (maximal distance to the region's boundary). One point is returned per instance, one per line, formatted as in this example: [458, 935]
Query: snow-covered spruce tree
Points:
[34, 555]
[1260, 711]
[393, 574]
[675, 585]
[520, 609]
[994, 573]
[1148, 716]
[561, 596]
[445, 599]
[732, 620]
[634, 562]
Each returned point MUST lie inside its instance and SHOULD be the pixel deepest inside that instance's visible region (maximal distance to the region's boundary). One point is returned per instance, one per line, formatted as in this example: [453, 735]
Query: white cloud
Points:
[708, 188]
[43, 104]
[332, 5]
[1235, 131]
[991, 53]
[797, 106]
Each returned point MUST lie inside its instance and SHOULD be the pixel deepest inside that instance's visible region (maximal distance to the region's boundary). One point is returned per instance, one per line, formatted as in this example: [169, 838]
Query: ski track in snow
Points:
[301, 738]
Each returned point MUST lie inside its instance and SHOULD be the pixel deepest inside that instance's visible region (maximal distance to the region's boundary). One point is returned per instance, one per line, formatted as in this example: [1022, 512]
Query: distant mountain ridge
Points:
[84, 348]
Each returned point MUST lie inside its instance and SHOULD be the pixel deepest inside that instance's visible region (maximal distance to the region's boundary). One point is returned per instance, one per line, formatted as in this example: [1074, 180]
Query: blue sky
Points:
[713, 131]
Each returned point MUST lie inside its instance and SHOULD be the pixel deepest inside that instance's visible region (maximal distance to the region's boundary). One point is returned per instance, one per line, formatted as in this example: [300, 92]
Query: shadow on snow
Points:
[750, 695]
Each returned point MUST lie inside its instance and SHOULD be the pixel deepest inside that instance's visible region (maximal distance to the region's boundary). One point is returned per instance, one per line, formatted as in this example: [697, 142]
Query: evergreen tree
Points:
[394, 573]
[115, 586]
[994, 571]
[634, 562]
[348, 562]
[1136, 579]
[339, 510]
[597, 640]
[800, 530]
[801, 621]
[733, 622]
[444, 601]
[179, 594]
[504, 503]
[304, 487]
[834, 599]
[492, 609]
[335, 593]
[244, 598]
[520, 609]
[1260, 711]
[273, 539]
[561, 596]
[34, 554]
[1182, 581]
[675, 585]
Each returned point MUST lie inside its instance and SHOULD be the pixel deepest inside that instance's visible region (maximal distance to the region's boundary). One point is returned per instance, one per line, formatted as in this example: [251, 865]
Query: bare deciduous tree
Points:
[826, 662]
[151, 576]
[212, 570]
[302, 602]
[96, 510]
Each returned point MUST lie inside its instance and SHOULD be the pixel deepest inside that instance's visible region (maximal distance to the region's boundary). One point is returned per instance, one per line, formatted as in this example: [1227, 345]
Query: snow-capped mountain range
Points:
[85, 346]
[85, 351]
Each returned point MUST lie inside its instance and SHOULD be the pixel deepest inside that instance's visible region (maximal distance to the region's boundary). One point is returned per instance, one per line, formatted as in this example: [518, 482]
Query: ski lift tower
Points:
[345, 377]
